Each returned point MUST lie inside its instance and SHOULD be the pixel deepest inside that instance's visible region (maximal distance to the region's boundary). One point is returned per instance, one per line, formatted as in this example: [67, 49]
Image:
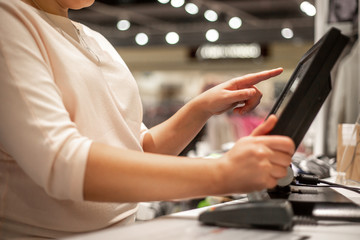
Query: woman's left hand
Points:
[238, 93]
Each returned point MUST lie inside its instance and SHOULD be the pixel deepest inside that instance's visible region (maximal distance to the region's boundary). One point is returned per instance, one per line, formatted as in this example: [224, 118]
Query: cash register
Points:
[297, 106]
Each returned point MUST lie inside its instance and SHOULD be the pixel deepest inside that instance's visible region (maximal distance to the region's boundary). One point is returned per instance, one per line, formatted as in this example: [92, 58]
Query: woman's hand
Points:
[258, 161]
[236, 91]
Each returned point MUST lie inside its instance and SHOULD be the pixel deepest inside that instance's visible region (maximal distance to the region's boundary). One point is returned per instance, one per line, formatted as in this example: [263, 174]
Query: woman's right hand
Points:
[256, 162]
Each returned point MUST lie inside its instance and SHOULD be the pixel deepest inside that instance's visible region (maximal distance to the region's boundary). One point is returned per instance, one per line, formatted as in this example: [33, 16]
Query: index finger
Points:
[254, 78]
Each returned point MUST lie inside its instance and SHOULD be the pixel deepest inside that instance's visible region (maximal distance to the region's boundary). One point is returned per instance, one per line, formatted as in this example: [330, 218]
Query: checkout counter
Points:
[185, 225]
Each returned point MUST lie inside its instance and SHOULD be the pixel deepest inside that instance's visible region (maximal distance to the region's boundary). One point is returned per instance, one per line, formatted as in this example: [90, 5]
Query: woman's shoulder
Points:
[6, 5]
[15, 9]
[16, 15]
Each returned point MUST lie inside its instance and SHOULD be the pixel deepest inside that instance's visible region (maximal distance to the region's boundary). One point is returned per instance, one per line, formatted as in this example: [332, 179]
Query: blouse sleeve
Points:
[35, 128]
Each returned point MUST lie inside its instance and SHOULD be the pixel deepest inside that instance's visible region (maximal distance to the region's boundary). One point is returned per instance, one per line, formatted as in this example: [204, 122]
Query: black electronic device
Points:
[322, 203]
[296, 108]
[308, 87]
[272, 214]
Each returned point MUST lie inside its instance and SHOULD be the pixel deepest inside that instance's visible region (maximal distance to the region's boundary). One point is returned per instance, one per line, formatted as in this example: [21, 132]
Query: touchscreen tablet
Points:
[308, 87]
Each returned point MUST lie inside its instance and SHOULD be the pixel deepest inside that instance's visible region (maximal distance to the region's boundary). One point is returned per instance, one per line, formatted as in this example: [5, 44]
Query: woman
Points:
[74, 154]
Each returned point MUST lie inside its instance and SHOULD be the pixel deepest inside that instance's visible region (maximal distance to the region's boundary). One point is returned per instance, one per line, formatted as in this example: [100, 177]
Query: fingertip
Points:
[251, 91]
[290, 145]
[277, 71]
[270, 123]
[293, 146]
[272, 117]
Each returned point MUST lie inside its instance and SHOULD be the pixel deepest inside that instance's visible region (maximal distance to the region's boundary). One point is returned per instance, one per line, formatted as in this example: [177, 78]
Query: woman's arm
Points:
[173, 135]
[255, 163]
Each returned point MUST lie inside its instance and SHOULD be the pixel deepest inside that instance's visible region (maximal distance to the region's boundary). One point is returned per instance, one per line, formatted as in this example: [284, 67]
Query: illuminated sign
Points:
[230, 51]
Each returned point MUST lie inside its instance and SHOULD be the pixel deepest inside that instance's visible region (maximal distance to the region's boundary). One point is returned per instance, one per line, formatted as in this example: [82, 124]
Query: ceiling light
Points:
[211, 15]
[191, 8]
[235, 22]
[287, 33]
[123, 25]
[172, 38]
[163, 1]
[212, 35]
[141, 39]
[308, 8]
[177, 3]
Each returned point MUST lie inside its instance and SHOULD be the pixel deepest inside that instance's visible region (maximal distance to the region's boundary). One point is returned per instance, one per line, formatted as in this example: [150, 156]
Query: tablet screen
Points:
[308, 87]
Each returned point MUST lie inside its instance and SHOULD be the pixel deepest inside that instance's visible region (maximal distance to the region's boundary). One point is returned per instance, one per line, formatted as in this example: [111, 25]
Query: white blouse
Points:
[59, 92]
